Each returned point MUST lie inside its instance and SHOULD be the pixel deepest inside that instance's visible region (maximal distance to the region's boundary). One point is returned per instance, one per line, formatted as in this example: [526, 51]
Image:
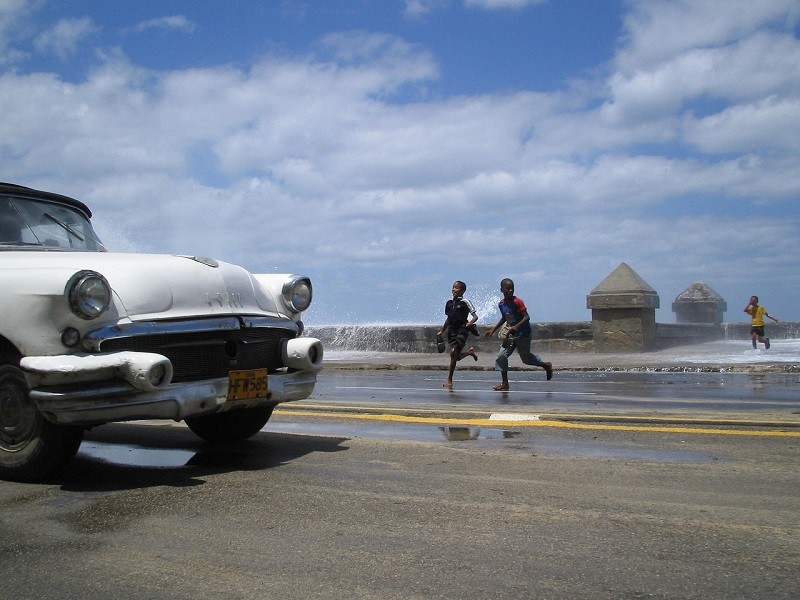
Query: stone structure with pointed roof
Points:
[623, 309]
[699, 304]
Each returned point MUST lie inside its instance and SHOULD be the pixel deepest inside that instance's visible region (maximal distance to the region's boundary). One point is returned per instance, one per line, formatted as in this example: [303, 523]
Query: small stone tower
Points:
[699, 304]
[623, 313]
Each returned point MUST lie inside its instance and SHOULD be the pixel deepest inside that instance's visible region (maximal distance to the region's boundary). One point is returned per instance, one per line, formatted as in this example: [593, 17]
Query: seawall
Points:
[548, 337]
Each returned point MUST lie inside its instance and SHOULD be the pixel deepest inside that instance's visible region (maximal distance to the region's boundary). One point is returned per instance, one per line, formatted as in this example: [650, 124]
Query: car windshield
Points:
[26, 223]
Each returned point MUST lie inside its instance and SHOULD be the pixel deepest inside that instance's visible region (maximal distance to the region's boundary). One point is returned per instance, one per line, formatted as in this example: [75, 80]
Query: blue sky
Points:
[387, 148]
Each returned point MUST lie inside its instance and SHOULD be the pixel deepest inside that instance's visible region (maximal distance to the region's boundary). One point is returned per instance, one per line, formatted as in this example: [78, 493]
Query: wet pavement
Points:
[622, 481]
[762, 395]
[472, 512]
[400, 397]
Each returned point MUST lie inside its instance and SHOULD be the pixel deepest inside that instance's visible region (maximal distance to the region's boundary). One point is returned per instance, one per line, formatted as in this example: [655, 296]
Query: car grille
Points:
[209, 354]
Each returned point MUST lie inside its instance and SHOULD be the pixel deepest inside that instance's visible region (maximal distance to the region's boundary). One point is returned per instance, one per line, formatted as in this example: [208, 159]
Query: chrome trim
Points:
[209, 262]
[93, 339]
[284, 323]
[121, 402]
[288, 287]
[74, 298]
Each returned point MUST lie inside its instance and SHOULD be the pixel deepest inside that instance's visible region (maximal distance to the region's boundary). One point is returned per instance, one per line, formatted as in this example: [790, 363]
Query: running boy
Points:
[757, 327]
[461, 317]
[514, 313]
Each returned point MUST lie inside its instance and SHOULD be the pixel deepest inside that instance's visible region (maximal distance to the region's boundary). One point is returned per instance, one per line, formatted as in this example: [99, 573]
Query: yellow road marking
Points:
[542, 423]
[674, 420]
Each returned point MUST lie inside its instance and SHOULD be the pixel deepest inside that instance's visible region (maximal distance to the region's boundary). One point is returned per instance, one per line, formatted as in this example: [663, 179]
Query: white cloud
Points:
[760, 65]
[499, 4]
[417, 8]
[63, 38]
[312, 164]
[658, 30]
[758, 126]
[13, 14]
[173, 22]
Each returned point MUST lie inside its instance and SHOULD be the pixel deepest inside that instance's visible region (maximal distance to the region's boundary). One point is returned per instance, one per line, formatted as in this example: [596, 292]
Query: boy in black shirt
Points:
[461, 317]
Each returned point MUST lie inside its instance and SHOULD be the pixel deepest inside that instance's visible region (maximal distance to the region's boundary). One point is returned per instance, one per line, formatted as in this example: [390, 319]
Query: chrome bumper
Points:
[89, 389]
[93, 404]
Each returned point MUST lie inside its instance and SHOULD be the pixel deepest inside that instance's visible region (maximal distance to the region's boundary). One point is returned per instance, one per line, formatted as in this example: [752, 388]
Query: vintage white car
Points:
[90, 337]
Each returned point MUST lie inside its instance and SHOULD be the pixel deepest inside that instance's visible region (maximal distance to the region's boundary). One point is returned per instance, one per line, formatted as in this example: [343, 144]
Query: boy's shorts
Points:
[757, 331]
[457, 339]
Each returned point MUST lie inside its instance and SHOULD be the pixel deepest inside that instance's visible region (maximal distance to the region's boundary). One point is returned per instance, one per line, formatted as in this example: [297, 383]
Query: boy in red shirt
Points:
[514, 313]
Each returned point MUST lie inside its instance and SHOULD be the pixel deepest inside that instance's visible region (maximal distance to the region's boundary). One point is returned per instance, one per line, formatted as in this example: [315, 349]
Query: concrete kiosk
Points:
[623, 309]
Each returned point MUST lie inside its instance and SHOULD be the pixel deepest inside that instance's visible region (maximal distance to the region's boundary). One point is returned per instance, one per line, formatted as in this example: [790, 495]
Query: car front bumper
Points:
[90, 389]
[110, 402]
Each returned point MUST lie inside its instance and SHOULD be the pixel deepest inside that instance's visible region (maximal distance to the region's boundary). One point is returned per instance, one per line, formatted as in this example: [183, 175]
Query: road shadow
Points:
[122, 456]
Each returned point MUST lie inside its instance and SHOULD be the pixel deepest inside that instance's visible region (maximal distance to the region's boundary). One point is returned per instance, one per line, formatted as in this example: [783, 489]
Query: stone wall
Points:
[623, 309]
[785, 330]
[670, 335]
[548, 337]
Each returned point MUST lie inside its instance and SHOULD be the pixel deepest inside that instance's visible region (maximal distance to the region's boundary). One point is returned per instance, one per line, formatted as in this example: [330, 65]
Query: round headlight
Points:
[297, 293]
[89, 294]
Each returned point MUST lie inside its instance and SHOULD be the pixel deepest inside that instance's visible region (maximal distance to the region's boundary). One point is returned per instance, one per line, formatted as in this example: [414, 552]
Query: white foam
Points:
[723, 352]
[732, 352]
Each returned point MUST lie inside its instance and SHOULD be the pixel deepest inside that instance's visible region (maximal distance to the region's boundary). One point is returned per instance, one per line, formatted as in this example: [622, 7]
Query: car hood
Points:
[161, 286]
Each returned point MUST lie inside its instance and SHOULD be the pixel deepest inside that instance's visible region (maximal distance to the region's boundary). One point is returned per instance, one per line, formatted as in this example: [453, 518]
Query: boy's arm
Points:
[766, 314]
[490, 332]
[473, 314]
[524, 319]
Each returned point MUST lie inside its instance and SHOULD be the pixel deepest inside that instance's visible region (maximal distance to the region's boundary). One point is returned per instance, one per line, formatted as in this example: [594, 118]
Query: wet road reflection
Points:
[115, 449]
[528, 441]
[161, 459]
[569, 390]
[138, 456]
[455, 433]
[144, 454]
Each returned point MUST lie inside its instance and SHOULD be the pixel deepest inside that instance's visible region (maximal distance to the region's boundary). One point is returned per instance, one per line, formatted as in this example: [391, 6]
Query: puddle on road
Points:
[136, 456]
[535, 442]
[538, 443]
[472, 434]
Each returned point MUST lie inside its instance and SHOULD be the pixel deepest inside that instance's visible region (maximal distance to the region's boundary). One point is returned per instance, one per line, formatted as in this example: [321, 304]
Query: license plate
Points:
[243, 385]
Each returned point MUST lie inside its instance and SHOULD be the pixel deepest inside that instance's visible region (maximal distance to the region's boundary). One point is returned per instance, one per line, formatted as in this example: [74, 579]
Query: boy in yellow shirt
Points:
[757, 327]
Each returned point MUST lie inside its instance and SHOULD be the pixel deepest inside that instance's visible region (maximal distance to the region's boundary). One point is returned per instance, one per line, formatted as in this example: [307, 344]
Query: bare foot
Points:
[548, 369]
[471, 352]
[447, 384]
[503, 387]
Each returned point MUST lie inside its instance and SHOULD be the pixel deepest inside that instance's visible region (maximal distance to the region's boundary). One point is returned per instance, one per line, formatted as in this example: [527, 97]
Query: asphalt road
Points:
[386, 486]
[759, 396]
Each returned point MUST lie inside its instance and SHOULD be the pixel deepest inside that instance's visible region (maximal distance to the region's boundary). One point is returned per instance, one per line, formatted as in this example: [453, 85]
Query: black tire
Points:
[230, 426]
[31, 448]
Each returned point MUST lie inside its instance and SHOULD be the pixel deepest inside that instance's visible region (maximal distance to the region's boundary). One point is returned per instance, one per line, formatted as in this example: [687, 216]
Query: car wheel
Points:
[232, 425]
[31, 448]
